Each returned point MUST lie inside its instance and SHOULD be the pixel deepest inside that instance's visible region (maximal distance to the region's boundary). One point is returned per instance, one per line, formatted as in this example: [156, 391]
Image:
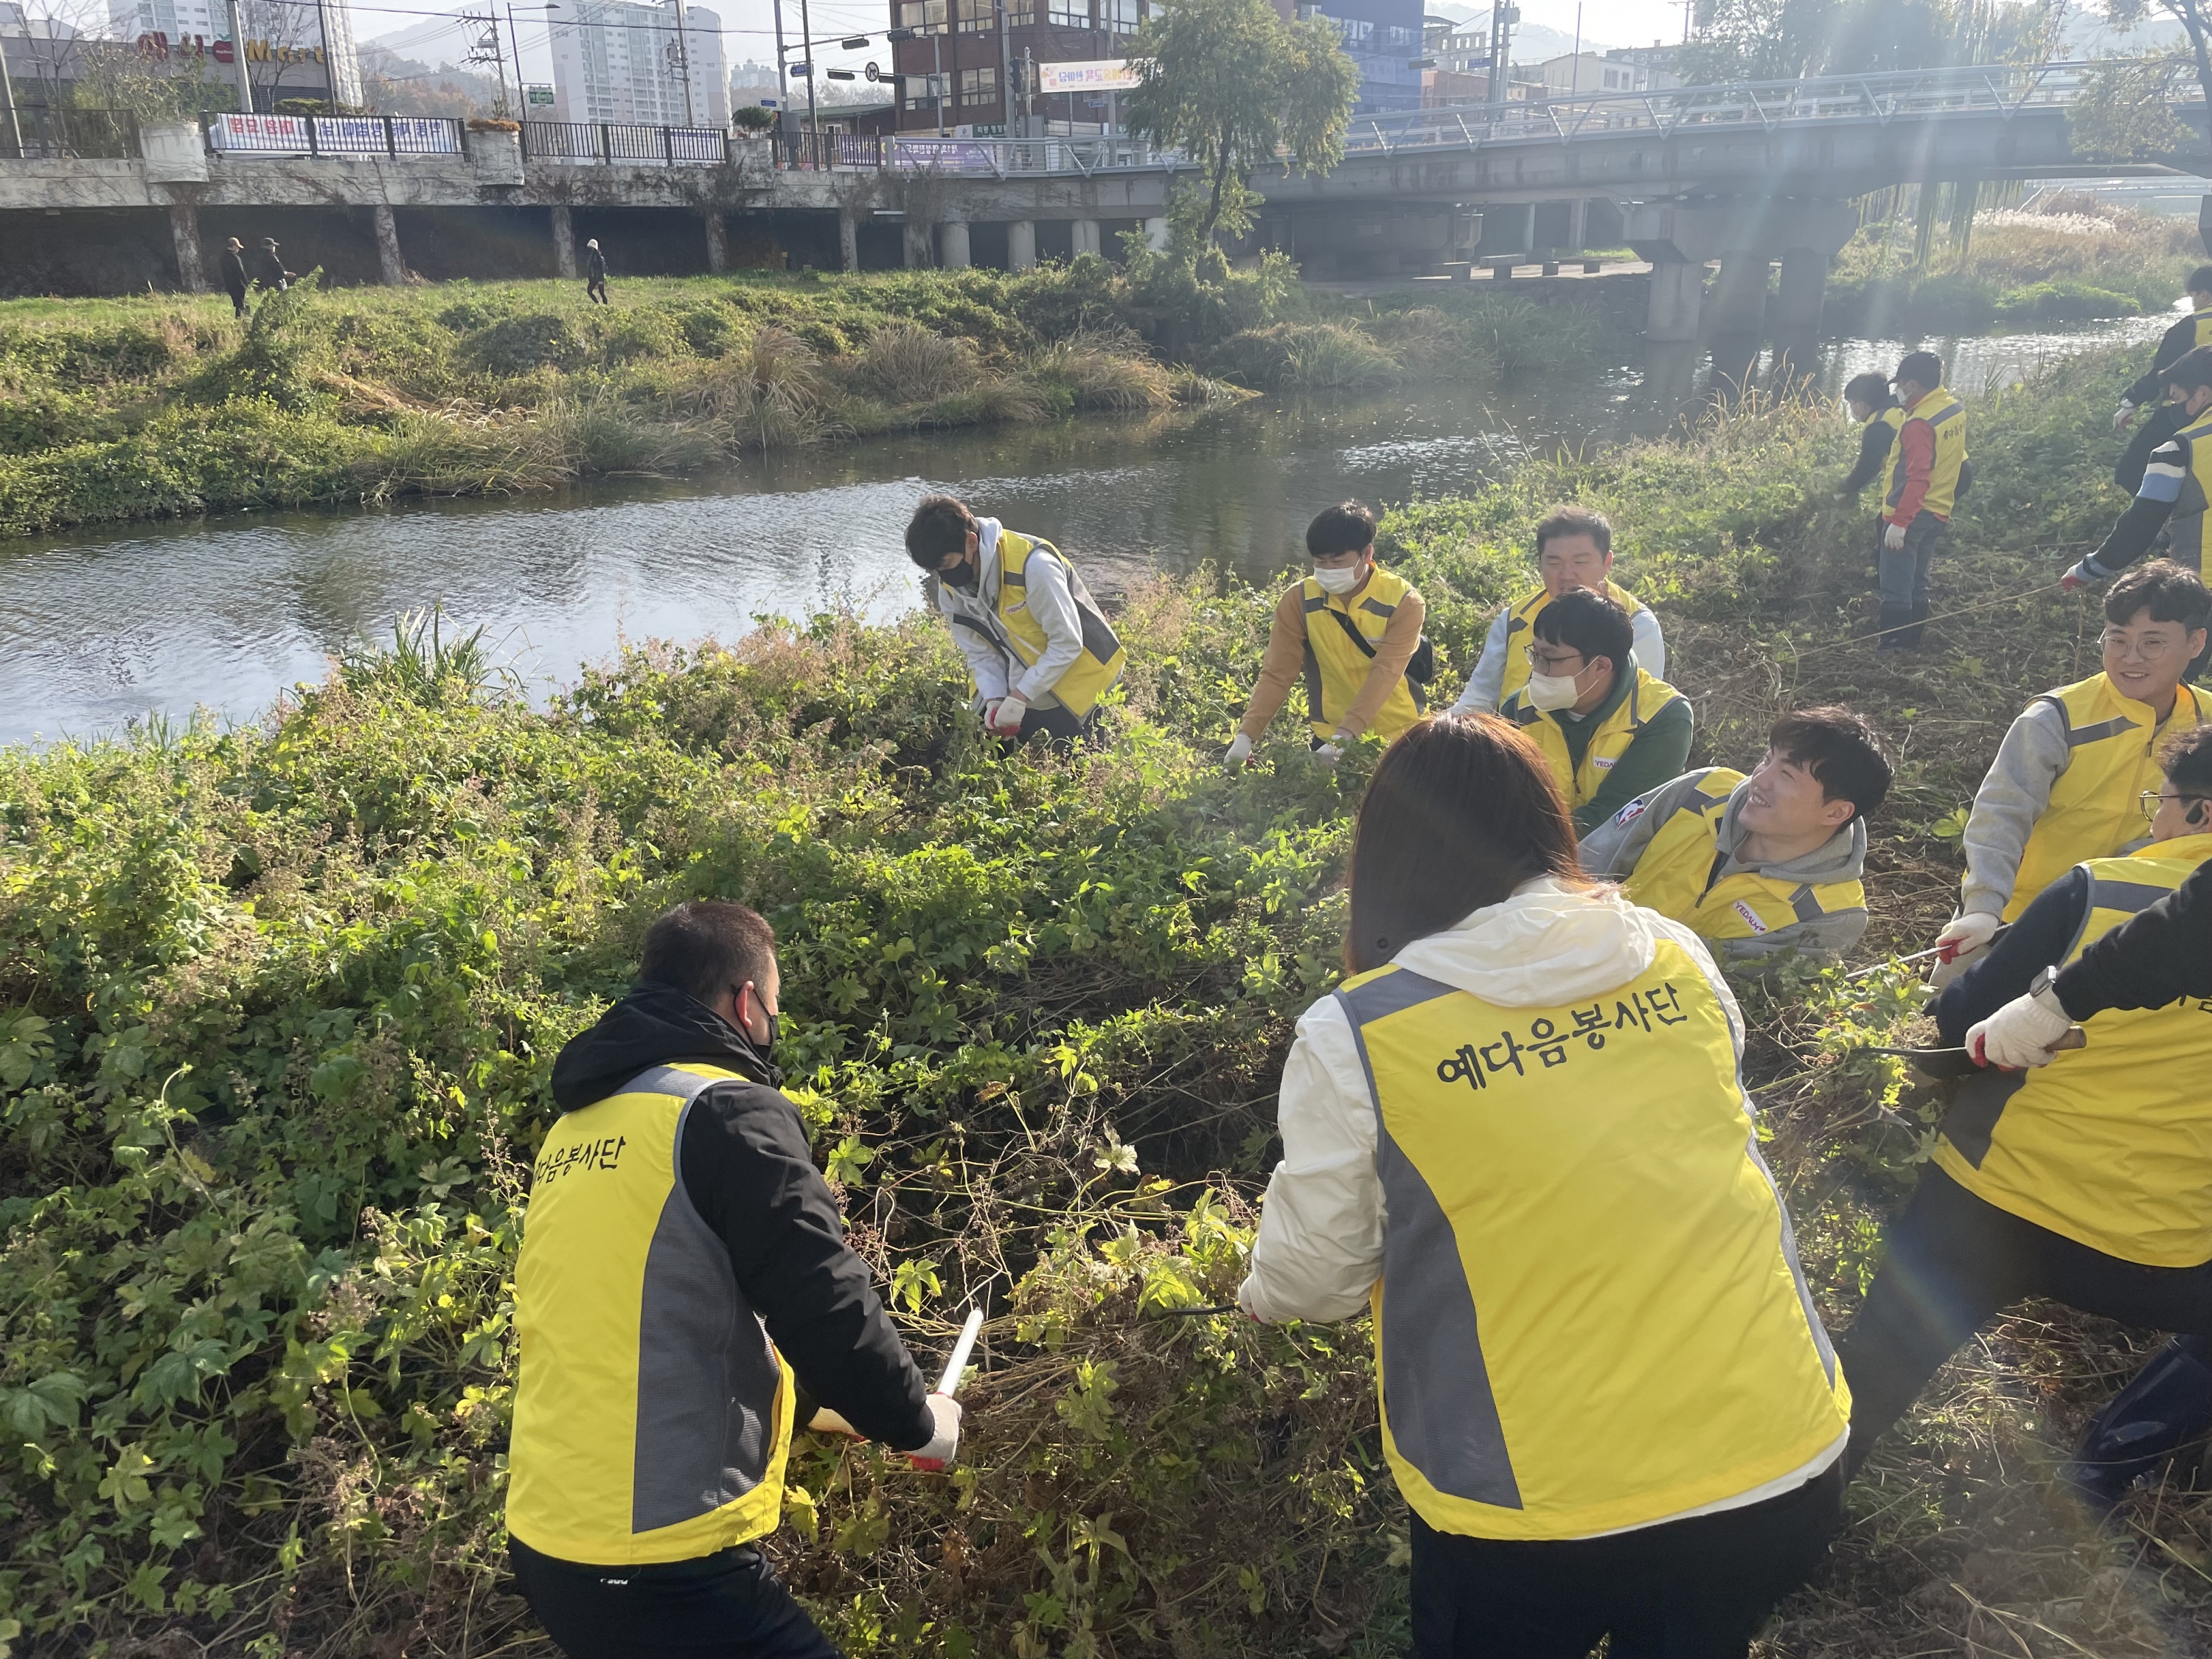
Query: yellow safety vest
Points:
[2112, 745]
[1591, 1316]
[2184, 528]
[2203, 321]
[1675, 874]
[1607, 744]
[1946, 416]
[2110, 1146]
[652, 1413]
[1103, 657]
[1336, 668]
[1521, 623]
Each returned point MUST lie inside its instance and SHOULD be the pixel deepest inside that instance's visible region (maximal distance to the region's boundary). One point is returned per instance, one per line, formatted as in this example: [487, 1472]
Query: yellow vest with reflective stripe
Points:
[2112, 745]
[1520, 624]
[1607, 744]
[1336, 668]
[1590, 1314]
[2109, 1145]
[2185, 527]
[1946, 416]
[1674, 874]
[1102, 657]
[2203, 321]
[652, 1413]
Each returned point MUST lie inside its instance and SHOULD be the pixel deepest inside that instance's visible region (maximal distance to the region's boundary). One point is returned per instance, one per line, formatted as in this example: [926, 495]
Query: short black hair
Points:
[1871, 389]
[2170, 592]
[1924, 366]
[940, 525]
[2192, 369]
[1575, 521]
[2187, 762]
[1591, 623]
[2200, 280]
[1347, 527]
[1840, 749]
[704, 947]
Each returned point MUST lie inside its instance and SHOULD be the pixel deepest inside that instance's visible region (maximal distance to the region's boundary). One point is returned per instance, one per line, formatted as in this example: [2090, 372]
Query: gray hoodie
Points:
[1612, 849]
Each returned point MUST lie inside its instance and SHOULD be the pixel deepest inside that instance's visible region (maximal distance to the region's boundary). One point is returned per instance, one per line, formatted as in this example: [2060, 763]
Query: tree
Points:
[1232, 85]
[2195, 17]
[1785, 40]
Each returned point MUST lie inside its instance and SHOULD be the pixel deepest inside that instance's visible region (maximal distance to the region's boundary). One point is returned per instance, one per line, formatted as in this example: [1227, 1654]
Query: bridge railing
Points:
[1999, 89]
[622, 143]
[332, 135]
[42, 132]
[1000, 158]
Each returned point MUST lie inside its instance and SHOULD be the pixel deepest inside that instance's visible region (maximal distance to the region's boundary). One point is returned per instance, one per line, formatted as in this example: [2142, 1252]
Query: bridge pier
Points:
[952, 244]
[1021, 245]
[1737, 304]
[564, 241]
[1678, 292]
[185, 232]
[914, 246]
[1156, 232]
[1083, 235]
[718, 243]
[390, 266]
[848, 239]
[1746, 234]
[1804, 287]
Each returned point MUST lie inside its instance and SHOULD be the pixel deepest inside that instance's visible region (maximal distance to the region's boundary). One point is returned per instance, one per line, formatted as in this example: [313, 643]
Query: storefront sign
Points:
[1101, 75]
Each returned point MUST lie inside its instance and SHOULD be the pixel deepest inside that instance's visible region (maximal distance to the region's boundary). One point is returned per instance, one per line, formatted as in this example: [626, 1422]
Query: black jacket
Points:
[595, 264]
[2172, 345]
[2149, 960]
[2037, 940]
[747, 1169]
[1875, 439]
[272, 271]
[234, 271]
[2154, 429]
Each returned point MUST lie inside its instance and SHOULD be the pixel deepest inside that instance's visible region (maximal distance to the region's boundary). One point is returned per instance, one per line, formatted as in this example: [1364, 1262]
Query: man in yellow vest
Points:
[1610, 731]
[1354, 629]
[2180, 338]
[1039, 650]
[1760, 864]
[2175, 487]
[1574, 550]
[685, 1294]
[1924, 486]
[2083, 1180]
[2064, 783]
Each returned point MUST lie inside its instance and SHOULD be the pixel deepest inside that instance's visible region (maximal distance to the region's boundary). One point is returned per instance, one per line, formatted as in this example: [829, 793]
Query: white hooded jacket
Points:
[1319, 1252]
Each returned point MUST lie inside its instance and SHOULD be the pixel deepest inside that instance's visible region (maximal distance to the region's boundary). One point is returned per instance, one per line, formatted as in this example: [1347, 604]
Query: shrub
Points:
[517, 343]
[905, 363]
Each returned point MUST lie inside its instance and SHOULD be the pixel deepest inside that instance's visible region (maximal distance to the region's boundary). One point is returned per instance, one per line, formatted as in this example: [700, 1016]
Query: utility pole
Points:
[806, 28]
[514, 40]
[486, 49]
[239, 66]
[329, 63]
[682, 63]
[1502, 16]
[1006, 69]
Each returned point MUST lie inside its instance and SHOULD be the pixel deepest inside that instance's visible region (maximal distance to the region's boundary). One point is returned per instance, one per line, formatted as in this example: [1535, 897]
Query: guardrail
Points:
[1998, 89]
[610, 142]
[39, 132]
[997, 158]
[332, 135]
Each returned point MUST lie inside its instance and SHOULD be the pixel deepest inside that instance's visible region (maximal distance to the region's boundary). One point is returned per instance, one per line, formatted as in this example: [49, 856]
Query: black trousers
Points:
[1685, 1589]
[596, 290]
[237, 300]
[1954, 1262]
[728, 1606]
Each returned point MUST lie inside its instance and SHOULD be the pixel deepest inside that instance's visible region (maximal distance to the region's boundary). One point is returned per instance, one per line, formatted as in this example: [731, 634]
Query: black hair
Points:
[940, 525]
[2192, 369]
[1575, 521]
[1347, 527]
[2200, 280]
[1841, 751]
[1924, 366]
[704, 947]
[2187, 763]
[1870, 389]
[2170, 592]
[1591, 623]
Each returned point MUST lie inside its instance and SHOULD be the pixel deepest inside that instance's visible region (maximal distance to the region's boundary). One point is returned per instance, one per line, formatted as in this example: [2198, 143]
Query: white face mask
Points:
[1548, 692]
[1338, 581]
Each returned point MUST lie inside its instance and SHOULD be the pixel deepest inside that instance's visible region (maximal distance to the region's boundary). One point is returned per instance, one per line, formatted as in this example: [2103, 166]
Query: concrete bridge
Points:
[1748, 174]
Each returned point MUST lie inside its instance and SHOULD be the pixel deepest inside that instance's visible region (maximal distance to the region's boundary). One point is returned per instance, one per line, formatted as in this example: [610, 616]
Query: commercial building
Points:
[617, 61]
[970, 54]
[1630, 71]
[292, 51]
[1383, 38]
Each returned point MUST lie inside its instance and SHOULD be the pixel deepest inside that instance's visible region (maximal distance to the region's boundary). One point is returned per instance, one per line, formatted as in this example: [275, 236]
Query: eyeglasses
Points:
[1549, 664]
[2149, 799]
[2152, 650]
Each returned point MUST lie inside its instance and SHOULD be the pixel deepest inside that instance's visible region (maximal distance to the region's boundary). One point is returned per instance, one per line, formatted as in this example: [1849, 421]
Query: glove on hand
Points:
[2124, 417]
[2021, 1034]
[2079, 577]
[945, 1445]
[1006, 716]
[1965, 934]
[1892, 538]
[1240, 754]
[1327, 755]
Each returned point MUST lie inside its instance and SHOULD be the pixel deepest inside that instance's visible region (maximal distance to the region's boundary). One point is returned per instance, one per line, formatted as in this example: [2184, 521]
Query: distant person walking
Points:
[595, 272]
[270, 271]
[234, 281]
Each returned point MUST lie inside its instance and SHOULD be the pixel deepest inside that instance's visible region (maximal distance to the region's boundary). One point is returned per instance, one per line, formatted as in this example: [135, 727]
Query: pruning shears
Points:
[1960, 1061]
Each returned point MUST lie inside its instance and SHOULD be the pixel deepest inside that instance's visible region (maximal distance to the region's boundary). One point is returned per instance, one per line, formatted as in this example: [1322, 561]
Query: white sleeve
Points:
[2014, 795]
[1488, 680]
[1320, 1247]
[986, 664]
[1051, 604]
[1650, 643]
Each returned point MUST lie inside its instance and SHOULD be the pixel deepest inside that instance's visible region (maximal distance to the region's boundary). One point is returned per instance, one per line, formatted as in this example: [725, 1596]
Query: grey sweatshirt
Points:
[1612, 849]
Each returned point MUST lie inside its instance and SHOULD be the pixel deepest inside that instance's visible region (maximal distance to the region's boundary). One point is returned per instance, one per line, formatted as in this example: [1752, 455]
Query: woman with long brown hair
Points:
[1517, 1133]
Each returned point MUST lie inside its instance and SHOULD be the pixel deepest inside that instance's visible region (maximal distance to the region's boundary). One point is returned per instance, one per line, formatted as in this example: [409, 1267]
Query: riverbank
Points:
[280, 1005]
[123, 410]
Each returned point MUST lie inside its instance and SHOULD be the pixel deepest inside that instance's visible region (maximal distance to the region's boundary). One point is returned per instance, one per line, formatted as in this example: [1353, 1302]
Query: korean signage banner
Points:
[1100, 75]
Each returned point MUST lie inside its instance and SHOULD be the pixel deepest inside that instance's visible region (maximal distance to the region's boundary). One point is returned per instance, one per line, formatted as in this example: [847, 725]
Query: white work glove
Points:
[1965, 934]
[2124, 417]
[1327, 755]
[1892, 538]
[945, 1445]
[1005, 716]
[2021, 1034]
[2078, 577]
[1240, 754]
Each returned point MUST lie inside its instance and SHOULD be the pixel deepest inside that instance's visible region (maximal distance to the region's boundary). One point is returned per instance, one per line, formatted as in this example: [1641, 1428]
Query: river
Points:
[110, 625]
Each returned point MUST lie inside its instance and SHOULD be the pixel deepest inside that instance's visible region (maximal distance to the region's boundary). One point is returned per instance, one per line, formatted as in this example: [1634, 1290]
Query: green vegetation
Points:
[278, 1006]
[2080, 261]
[114, 410]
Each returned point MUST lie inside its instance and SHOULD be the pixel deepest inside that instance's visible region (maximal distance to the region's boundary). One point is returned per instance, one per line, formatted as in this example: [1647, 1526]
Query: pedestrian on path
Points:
[270, 271]
[595, 272]
[234, 281]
